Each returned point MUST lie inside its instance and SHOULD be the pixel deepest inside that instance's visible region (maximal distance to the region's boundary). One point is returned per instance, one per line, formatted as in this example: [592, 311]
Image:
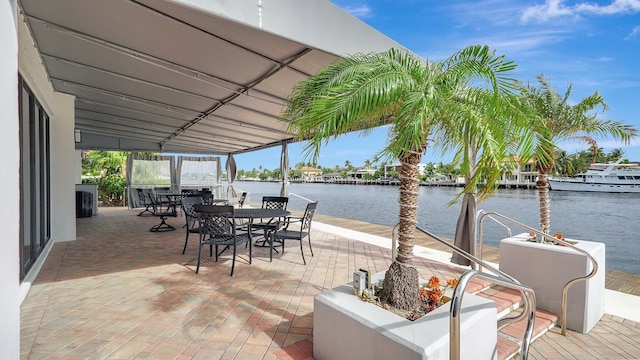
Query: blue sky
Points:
[593, 45]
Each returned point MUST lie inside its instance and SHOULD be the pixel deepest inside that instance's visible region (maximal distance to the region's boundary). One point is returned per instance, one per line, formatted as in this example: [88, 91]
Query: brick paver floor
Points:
[122, 292]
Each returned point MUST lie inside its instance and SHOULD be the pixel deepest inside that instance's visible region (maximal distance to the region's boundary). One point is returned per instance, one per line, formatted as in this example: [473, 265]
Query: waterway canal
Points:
[609, 218]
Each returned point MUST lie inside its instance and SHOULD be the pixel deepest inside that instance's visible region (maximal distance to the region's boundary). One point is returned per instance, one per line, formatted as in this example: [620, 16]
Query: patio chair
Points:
[189, 192]
[289, 234]
[159, 194]
[163, 214]
[190, 216]
[242, 224]
[217, 228]
[207, 197]
[269, 202]
[242, 199]
[144, 201]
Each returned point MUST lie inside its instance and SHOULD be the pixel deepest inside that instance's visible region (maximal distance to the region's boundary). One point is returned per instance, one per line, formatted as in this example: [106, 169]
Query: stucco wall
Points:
[60, 108]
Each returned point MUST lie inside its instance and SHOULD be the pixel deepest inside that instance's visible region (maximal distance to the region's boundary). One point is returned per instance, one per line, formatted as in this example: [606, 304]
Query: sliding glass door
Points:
[34, 178]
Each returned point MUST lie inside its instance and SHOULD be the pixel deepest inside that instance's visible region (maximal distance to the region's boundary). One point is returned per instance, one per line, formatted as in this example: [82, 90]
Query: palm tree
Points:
[553, 120]
[430, 170]
[564, 166]
[364, 91]
[615, 154]
[488, 124]
[484, 131]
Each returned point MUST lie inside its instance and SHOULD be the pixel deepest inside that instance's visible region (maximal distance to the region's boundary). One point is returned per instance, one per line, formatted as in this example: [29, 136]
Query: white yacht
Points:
[613, 177]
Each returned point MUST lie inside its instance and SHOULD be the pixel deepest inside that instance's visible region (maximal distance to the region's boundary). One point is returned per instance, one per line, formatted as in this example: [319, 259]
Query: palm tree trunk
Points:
[543, 196]
[401, 283]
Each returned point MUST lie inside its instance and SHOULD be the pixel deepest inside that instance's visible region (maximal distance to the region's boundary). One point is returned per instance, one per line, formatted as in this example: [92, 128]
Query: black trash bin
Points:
[84, 204]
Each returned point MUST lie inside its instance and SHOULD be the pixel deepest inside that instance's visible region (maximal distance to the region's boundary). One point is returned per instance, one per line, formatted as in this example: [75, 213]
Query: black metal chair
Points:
[163, 214]
[242, 199]
[190, 216]
[189, 192]
[217, 228]
[289, 234]
[242, 224]
[207, 197]
[269, 202]
[159, 193]
[143, 200]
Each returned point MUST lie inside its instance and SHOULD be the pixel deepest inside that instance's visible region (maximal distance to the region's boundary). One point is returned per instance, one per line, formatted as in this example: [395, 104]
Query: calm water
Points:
[609, 218]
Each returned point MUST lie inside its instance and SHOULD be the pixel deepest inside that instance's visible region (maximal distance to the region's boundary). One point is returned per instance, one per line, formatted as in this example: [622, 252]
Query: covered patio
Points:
[180, 76]
[188, 76]
[121, 292]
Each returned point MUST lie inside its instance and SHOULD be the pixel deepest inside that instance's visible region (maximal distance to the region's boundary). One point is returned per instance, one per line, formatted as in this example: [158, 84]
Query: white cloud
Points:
[517, 43]
[496, 12]
[616, 7]
[555, 8]
[550, 9]
[634, 33]
[360, 10]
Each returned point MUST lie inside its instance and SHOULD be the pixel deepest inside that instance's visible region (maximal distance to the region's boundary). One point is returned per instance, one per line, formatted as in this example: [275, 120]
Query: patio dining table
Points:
[259, 213]
[174, 199]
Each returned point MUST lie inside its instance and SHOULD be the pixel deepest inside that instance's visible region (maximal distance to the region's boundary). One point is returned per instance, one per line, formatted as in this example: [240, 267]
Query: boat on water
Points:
[612, 177]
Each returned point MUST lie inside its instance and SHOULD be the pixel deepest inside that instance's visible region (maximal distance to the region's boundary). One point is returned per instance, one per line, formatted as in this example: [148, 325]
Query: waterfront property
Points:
[187, 77]
[122, 292]
[157, 76]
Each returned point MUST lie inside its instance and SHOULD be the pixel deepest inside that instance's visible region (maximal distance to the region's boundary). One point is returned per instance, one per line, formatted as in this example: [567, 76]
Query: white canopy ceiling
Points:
[188, 76]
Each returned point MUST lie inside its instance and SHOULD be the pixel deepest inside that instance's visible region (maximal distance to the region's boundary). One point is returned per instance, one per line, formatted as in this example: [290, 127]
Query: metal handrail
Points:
[503, 279]
[456, 301]
[482, 214]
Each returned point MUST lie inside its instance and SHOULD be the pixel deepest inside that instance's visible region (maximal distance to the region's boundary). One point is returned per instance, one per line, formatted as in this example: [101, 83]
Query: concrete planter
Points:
[547, 268]
[345, 327]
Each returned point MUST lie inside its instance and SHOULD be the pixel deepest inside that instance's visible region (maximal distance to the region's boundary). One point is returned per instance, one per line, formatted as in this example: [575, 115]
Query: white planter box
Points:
[547, 268]
[345, 327]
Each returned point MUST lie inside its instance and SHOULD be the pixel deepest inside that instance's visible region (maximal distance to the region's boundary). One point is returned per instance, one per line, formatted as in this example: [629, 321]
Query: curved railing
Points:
[456, 304]
[482, 214]
[500, 278]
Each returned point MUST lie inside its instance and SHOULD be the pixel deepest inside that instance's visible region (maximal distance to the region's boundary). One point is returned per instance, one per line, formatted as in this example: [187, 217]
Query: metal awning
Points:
[188, 76]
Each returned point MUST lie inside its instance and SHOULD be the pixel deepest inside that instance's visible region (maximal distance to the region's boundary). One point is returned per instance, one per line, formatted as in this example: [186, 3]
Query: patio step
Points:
[509, 303]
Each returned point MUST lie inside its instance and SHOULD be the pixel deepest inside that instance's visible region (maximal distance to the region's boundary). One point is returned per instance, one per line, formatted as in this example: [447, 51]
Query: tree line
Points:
[566, 165]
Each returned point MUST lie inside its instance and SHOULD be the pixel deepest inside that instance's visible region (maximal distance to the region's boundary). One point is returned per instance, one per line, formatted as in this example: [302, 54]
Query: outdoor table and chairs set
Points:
[223, 226]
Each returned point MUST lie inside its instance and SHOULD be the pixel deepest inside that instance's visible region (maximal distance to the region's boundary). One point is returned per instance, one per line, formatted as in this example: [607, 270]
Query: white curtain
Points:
[148, 172]
[197, 172]
[231, 177]
[151, 171]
